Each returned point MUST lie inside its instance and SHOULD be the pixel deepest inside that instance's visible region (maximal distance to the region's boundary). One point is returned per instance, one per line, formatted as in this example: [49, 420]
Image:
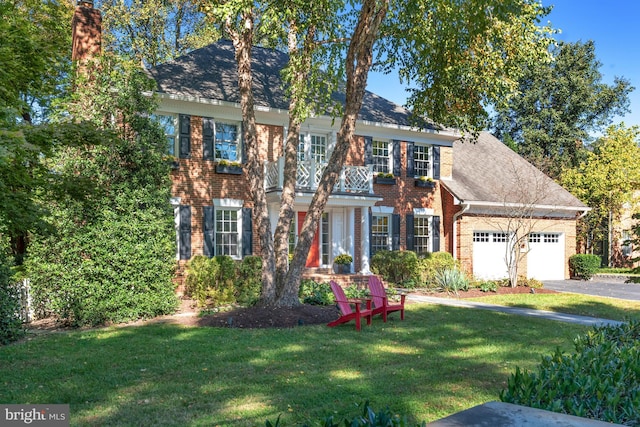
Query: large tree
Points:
[560, 104]
[606, 179]
[459, 56]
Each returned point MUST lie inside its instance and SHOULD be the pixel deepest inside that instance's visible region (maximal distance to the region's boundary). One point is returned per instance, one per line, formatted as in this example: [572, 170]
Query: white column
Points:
[364, 241]
[350, 228]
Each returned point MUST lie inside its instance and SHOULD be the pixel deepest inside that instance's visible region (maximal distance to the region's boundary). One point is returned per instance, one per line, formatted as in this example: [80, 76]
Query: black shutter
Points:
[368, 150]
[396, 157]
[395, 232]
[208, 152]
[435, 223]
[436, 162]
[184, 127]
[209, 230]
[247, 232]
[410, 164]
[185, 232]
[410, 232]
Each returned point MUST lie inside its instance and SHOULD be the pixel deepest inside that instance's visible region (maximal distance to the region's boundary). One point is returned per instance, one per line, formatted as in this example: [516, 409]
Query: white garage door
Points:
[545, 260]
[489, 250]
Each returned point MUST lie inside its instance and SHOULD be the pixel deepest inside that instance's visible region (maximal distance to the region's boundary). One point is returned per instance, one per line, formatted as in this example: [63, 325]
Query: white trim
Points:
[381, 210]
[175, 201]
[228, 203]
[423, 212]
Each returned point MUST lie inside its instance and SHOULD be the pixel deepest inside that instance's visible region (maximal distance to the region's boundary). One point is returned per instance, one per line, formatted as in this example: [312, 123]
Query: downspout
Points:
[465, 208]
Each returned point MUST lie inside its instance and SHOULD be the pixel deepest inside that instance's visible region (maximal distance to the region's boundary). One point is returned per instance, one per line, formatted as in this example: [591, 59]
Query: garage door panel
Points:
[545, 260]
[489, 251]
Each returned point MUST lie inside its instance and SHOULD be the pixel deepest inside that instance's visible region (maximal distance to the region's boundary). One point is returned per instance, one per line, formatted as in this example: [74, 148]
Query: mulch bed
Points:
[267, 317]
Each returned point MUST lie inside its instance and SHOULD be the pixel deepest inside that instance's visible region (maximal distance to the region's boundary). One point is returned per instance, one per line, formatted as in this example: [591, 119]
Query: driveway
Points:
[604, 286]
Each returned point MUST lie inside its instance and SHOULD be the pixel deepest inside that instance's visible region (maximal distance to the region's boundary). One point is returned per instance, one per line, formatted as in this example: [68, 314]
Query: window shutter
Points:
[396, 157]
[185, 232]
[368, 150]
[209, 230]
[208, 152]
[436, 162]
[395, 232]
[410, 164]
[184, 149]
[410, 232]
[435, 223]
[247, 232]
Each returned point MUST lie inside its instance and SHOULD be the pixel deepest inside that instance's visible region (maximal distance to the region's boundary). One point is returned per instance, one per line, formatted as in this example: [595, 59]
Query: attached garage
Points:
[546, 257]
[489, 251]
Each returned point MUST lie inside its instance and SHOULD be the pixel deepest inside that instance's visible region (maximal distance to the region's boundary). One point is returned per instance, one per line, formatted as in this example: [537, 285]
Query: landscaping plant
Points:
[599, 381]
[584, 266]
[10, 324]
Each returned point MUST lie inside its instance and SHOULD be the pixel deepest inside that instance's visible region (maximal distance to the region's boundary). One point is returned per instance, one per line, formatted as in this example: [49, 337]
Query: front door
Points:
[313, 259]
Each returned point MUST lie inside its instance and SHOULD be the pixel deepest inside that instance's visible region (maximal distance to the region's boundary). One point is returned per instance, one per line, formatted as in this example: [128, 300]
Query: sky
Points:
[613, 25]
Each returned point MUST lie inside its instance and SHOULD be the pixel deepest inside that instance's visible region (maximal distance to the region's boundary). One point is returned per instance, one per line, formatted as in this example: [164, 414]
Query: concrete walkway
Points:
[543, 314]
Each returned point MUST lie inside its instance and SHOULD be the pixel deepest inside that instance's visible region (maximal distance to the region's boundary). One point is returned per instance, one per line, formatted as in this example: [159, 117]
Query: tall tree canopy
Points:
[460, 56]
[559, 105]
[152, 31]
[606, 179]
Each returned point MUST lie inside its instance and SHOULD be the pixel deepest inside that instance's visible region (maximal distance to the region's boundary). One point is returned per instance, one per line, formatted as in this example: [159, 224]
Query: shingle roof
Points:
[210, 73]
[489, 171]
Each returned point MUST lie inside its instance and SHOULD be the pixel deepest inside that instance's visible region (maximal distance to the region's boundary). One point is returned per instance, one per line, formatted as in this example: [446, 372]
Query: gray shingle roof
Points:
[489, 171]
[210, 73]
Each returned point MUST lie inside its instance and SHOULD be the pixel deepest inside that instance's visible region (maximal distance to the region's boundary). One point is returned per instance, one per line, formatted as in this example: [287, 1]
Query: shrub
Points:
[249, 282]
[10, 324]
[353, 291]
[488, 286]
[315, 293]
[397, 267]
[429, 265]
[210, 281]
[584, 266]
[598, 381]
[452, 280]
[343, 259]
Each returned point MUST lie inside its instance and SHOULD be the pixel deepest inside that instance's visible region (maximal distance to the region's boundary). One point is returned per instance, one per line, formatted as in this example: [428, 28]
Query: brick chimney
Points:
[87, 32]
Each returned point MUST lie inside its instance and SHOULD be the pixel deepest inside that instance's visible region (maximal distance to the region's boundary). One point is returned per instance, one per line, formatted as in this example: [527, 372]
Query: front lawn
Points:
[440, 360]
[584, 305]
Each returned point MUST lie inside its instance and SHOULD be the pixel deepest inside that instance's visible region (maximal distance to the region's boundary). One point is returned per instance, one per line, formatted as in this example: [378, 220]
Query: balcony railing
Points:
[353, 179]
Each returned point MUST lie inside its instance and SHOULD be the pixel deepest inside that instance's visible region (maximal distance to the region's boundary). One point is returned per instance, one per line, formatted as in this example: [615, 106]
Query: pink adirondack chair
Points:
[381, 302]
[346, 310]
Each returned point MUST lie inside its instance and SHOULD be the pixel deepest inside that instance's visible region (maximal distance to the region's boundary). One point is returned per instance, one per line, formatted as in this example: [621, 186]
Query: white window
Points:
[380, 233]
[422, 160]
[380, 156]
[535, 238]
[421, 234]
[227, 141]
[480, 236]
[313, 146]
[551, 238]
[169, 125]
[228, 227]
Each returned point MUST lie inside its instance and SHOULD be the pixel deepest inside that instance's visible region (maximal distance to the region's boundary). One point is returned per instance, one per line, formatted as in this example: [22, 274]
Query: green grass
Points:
[621, 271]
[439, 361]
[584, 305]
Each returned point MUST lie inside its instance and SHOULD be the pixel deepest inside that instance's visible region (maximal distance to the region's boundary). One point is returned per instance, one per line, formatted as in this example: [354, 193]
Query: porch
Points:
[353, 179]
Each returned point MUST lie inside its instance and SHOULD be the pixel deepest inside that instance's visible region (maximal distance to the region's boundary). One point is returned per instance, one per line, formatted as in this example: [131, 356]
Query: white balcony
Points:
[353, 179]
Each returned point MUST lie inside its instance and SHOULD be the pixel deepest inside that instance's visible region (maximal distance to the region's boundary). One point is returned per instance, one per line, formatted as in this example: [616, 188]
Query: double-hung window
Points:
[422, 160]
[380, 233]
[227, 141]
[381, 157]
[625, 244]
[227, 236]
[313, 146]
[421, 234]
[168, 124]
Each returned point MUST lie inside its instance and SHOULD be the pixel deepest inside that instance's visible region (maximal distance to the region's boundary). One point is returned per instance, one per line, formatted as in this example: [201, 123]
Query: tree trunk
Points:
[243, 42]
[359, 60]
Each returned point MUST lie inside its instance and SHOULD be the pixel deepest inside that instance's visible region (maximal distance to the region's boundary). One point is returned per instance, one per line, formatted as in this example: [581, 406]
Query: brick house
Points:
[444, 195]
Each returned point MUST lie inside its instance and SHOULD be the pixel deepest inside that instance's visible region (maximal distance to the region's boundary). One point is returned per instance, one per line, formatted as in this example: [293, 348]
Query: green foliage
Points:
[316, 293]
[452, 280]
[249, 280]
[210, 281]
[598, 381]
[584, 266]
[397, 267]
[429, 265]
[10, 323]
[369, 418]
[488, 286]
[353, 291]
[561, 102]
